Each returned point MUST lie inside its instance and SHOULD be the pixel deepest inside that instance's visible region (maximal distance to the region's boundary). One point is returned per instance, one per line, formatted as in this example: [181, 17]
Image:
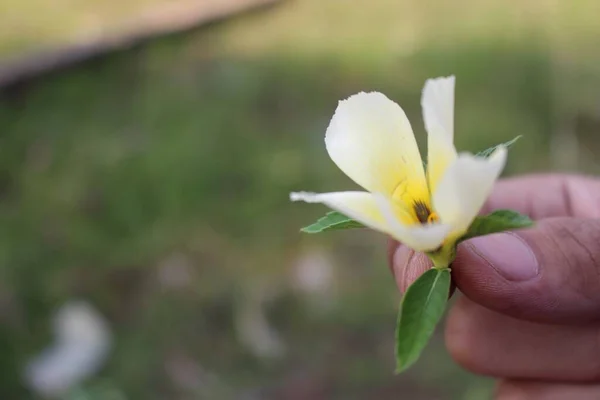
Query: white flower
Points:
[82, 344]
[371, 140]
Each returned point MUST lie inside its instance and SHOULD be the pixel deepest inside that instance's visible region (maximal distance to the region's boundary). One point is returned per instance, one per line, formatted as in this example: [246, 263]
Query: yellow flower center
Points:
[414, 203]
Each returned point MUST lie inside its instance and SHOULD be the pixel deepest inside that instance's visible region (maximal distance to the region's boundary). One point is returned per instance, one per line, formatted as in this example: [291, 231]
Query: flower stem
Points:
[443, 257]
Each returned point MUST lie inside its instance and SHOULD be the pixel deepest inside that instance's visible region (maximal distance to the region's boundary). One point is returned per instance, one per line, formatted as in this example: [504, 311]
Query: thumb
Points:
[550, 273]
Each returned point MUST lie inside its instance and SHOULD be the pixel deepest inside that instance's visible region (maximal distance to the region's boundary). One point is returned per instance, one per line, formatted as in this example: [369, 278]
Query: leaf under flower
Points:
[498, 221]
[421, 309]
[332, 221]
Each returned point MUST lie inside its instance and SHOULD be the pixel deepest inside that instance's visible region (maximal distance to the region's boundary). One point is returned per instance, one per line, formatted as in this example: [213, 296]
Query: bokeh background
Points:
[147, 189]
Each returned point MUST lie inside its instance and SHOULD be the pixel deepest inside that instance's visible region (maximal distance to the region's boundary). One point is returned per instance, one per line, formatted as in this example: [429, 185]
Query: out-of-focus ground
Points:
[153, 184]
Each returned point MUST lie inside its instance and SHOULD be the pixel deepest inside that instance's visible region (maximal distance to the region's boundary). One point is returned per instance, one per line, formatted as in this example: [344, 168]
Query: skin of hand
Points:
[528, 312]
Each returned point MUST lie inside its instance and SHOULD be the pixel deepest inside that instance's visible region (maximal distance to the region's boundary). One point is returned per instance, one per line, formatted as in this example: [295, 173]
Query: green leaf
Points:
[421, 309]
[332, 221]
[488, 152]
[498, 221]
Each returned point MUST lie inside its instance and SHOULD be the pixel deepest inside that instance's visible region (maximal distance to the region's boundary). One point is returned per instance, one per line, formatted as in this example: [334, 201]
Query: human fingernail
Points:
[508, 254]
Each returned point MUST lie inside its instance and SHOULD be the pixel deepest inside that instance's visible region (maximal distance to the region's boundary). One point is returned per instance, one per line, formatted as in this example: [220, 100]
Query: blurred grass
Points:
[177, 158]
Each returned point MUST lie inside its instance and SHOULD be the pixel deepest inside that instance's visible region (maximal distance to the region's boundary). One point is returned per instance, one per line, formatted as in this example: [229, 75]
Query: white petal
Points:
[437, 102]
[360, 206]
[419, 237]
[465, 187]
[371, 140]
[440, 155]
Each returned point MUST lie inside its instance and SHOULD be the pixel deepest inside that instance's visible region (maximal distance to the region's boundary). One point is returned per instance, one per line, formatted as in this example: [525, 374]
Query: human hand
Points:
[530, 310]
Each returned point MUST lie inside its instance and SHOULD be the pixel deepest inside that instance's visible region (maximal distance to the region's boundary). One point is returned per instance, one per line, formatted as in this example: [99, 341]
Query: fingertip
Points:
[504, 272]
[476, 277]
[408, 265]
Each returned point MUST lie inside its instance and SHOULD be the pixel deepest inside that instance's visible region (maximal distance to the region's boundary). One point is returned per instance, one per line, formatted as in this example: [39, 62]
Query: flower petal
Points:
[426, 237]
[360, 206]
[465, 186]
[437, 102]
[371, 140]
[440, 155]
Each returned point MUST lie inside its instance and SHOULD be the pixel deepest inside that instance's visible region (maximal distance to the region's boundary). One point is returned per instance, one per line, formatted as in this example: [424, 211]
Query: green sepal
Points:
[332, 221]
[488, 152]
[498, 221]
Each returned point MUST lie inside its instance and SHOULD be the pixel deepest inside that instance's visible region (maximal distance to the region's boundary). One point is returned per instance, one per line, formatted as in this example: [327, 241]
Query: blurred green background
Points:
[153, 183]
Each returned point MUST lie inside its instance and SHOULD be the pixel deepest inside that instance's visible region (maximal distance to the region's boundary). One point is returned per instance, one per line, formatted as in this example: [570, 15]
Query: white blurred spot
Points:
[185, 372]
[313, 272]
[313, 276]
[175, 271]
[81, 347]
[254, 330]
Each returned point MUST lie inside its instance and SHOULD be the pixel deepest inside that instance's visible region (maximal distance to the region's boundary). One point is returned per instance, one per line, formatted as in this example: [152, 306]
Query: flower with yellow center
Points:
[371, 140]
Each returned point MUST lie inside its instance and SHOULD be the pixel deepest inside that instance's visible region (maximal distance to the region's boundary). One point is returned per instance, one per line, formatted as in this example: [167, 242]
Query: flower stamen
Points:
[432, 218]
[424, 214]
[422, 211]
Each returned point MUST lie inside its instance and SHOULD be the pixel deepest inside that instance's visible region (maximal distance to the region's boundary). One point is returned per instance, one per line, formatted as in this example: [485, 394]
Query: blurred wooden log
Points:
[168, 18]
